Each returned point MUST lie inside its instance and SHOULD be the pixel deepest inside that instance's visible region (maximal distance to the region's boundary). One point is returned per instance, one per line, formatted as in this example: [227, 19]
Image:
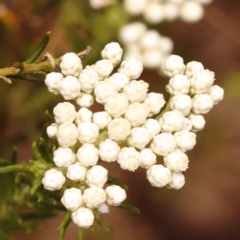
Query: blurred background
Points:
[208, 206]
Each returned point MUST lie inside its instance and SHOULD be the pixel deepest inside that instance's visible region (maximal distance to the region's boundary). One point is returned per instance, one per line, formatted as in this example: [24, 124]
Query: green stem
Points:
[80, 233]
[166, 109]
[14, 168]
[102, 136]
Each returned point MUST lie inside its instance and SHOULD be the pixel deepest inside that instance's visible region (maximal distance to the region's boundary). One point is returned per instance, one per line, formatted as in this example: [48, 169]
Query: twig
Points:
[7, 80]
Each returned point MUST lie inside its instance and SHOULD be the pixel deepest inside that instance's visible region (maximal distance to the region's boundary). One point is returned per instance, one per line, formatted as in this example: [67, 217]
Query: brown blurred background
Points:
[208, 206]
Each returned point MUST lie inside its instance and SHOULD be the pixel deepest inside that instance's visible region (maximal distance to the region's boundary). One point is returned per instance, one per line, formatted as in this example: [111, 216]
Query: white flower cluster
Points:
[148, 45]
[132, 130]
[156, 11]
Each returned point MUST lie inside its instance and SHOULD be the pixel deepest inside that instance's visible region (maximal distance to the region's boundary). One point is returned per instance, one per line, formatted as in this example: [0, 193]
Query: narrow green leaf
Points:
[31, 77]
[40, 48]
[129, 207]
[116, 181]
[37, 155]
[35, 186]
[14, 168]
[64, 224]
[100, 222]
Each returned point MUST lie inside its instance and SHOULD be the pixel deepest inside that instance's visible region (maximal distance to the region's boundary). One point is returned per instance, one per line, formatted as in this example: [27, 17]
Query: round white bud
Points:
[102, 119]
[94, 197]
[87, 155]
[163, 144]
[64, 112]
[83, 217]
[112, 52]
[202, 104]
[118, 81]
[154, 12]
[85, 100]
[193, 68]
[191, 11]
[216, 93]
[177, 181]
[53, 180]
[153, 127]
[182, 103]
[158, 175]
[108, 150]
[103, 68]
[138, 138]
[97, 176]
[84, 115]
[88, 132]
[63, 157]
[67, 134]
[147, 158]
[70, 87]
[103, 209]
[129, 158]
[88, 79]
[76, 172]
[155, 102]
[119, 129]
[115, 195]
[179, 84]
[71, 64]
[72, 199]
[174, 65]
[198, 122]
[52, 130]
[52, 81]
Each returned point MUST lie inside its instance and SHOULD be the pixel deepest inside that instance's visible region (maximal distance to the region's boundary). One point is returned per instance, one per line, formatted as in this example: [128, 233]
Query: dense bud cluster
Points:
[166, 10]
[133, 130]
[148, 45]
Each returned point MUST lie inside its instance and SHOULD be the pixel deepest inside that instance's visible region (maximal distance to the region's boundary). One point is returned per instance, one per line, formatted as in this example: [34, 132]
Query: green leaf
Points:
[31, 77]
[35, 186]
[116, 181]
[64, 224]
[40, 48]
[100, 222]
[129, 207]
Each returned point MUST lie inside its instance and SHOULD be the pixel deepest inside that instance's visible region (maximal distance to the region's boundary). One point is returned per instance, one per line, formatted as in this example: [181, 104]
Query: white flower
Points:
[97, 176]
[72, 199]
[179, 84]
[216, 93]
[67, 134]
[87, 155]
[137, 113]
[103, 91]
[155, 102]
[136, 91]
[70, 87]
[102, 119]
[198, 122]
[182, 103]
[132, 68]
[118, 81]
[163, 144]
[176, 161]
[84, 115]
[52, 130]
[52, 81]
[71, 64]
[138, 138]
[85, 100]
[130, 33]
[63, 157]
[158, 175]
[171, 121]
[53, 180]
[115, 195]
[201, 82]
[88, 79]
[177, 181]
[94, 196]
[135, 7]
[119, 129]
[83, 217]
[147, 158]
[202, 104]
[117, 104]
[154, 12]
[185, 140]
[191, 11]
[153, 127]
[64, 112]
[108, 150]
[103, 68]
[88, 132]
[193, 68]
[174, 65]
[112, 52]
[76, 172]
[129, 158]
[103, 209]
